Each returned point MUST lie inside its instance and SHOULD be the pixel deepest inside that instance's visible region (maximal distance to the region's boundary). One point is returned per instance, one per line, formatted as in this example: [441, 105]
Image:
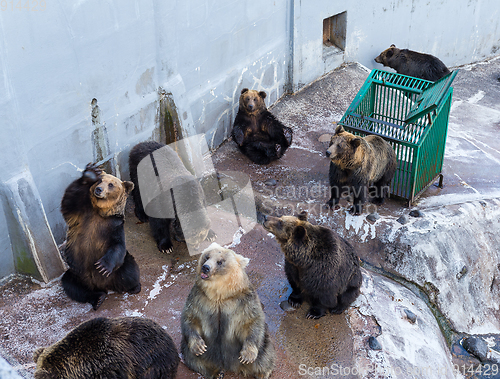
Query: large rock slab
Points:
[412, 345]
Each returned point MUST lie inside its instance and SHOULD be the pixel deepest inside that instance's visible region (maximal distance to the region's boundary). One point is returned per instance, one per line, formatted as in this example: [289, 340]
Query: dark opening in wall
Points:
[334, 31]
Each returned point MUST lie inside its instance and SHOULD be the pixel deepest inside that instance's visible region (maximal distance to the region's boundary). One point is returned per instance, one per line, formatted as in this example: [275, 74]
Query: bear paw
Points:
[288, 133]
[165, 246]
[211, 236]
[104, 267]
[333, 206]
[337, 310]
[278, 149]
[98, 302]
[92, 173]
[143, 217]
[135, 290]
[199, 347]
[355, 210]
[315, 313]
[295, 300]
[377, 200]
[248, 354]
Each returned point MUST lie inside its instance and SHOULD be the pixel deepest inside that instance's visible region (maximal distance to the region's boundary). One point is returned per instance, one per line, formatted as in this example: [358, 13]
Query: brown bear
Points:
[223, 325]
[258, 134]
[412, 63]
[93, 208]
[177, 184]
[364, 167]
[110, 348]
[321, 267]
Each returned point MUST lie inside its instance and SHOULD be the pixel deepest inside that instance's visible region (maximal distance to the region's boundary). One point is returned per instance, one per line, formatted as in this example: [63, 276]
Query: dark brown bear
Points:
[93, 208]
[186, 190]
[363, 167]
[223, 325]
[259, 135]
[320, 266]
[126, 347]
[412, 63]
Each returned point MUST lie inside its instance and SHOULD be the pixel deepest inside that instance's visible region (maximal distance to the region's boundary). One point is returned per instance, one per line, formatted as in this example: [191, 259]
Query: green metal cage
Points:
[412, 115]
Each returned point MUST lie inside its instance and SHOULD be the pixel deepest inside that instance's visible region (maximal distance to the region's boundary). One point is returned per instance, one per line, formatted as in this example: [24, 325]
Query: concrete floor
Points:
[36, 314]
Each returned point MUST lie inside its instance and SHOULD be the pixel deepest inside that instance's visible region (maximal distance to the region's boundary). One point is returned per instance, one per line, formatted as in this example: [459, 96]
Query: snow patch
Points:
[157, 286]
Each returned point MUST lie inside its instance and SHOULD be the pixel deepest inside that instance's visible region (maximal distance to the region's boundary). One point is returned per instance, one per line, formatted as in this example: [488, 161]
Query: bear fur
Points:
[188, 193]
[412, 63]
[363, 166]
[93, 208]
[110, 348]
[321, 267]
[258, 134]
[223, 325]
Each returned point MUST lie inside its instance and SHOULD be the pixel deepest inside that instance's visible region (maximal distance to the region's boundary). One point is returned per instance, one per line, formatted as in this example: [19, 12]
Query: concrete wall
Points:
[131, 54]
[456, 31]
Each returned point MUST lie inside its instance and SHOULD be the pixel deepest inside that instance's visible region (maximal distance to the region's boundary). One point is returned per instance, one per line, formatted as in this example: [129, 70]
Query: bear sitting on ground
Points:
[412, 63]
[110, 348]
[185, 189]
[223, 325]
[363, 166]
[320, 266]
[259, 135]
[93, 208]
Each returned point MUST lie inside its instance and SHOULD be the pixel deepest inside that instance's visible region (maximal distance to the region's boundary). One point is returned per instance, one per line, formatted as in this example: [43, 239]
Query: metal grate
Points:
[412, 115]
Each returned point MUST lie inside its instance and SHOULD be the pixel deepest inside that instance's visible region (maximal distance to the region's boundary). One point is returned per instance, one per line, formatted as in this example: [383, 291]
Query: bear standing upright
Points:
[180, 184]
[93, 208]
[363, 166]
[412, 63]
[321, 267]
[110, 348]
[223, 325]
[258, 134]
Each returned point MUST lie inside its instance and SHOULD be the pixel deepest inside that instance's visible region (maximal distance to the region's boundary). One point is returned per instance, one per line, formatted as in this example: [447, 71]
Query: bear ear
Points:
[37, 353]
[299, 233]
[355, 142]
[244, 90]
[242, 261]
[129, 186]
[302, 216]
[339, 129]
[393, 45]
[262, 94]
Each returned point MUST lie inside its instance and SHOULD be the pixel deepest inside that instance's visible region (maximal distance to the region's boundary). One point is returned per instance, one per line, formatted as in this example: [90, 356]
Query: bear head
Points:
[288, 228]
[386, 55]
[109, 195]
[344, 149]
[251, 101]
[221, 272]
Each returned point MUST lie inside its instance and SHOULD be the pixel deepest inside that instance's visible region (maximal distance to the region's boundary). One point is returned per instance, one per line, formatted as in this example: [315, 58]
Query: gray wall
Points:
[201, 53]
[456, 31]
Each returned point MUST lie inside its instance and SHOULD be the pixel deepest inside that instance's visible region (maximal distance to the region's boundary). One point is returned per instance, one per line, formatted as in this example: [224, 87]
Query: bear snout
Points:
[250, 107]
[328, 153]
[98, 192]
[205, 270]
